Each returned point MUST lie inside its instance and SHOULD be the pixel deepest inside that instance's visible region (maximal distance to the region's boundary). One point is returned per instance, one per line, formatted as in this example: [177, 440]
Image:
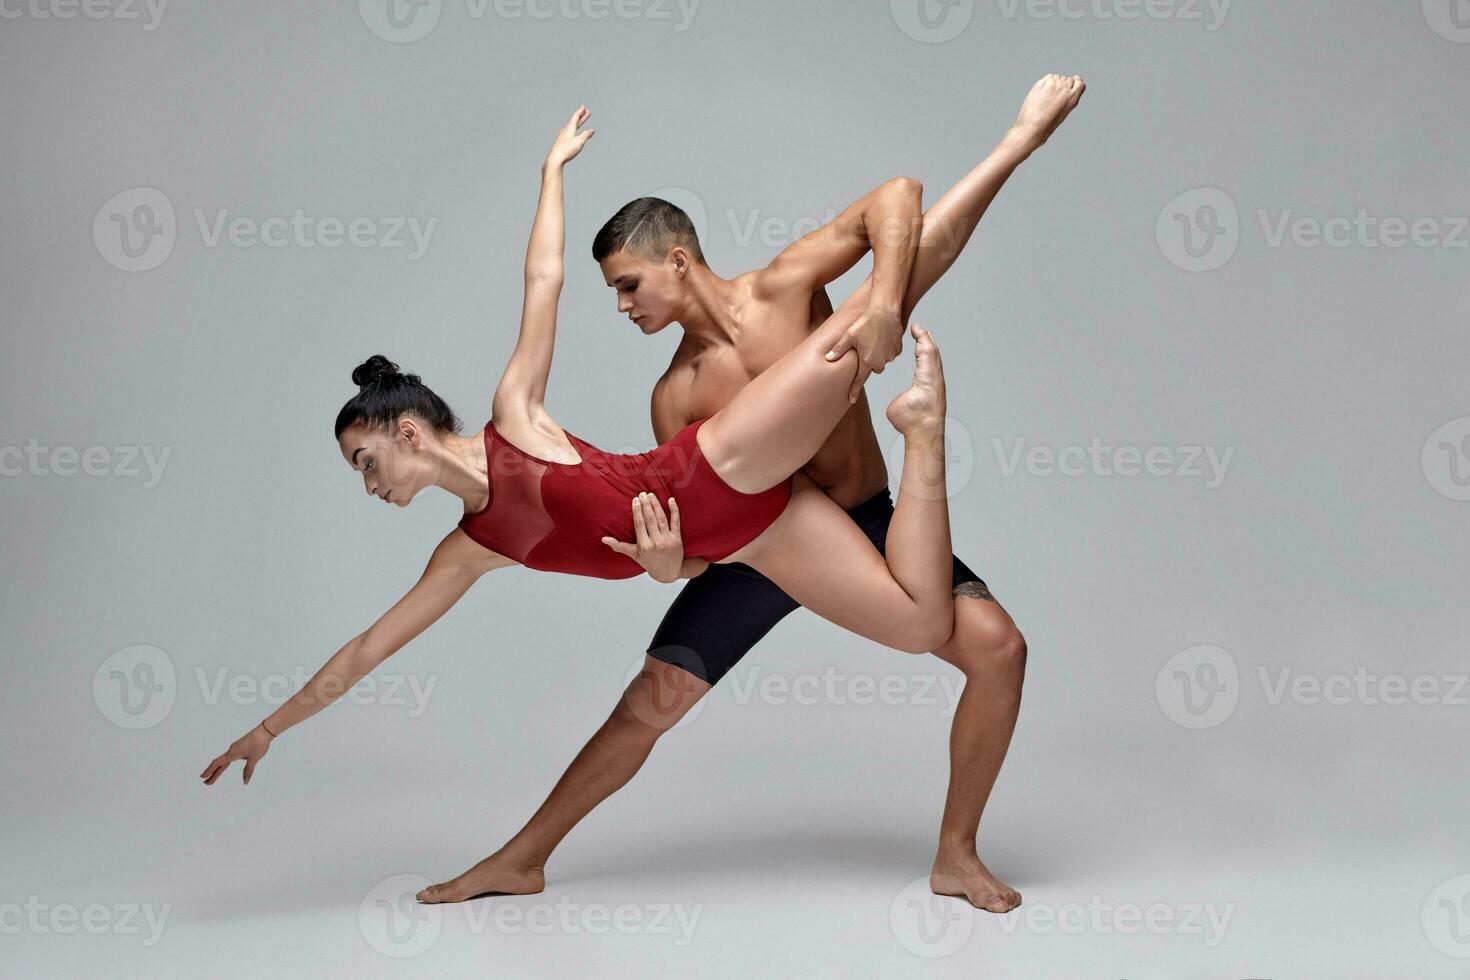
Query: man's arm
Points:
[886, 220]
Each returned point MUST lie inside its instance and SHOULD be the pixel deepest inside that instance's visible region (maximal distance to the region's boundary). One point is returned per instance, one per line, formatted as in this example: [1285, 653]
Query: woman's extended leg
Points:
[775, 438]
[950, 221]
[820, 558]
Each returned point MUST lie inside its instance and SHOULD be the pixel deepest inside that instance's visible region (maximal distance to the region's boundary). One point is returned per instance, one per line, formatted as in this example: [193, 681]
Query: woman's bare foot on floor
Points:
[966, 876]
[498, 874]
[1049, 102]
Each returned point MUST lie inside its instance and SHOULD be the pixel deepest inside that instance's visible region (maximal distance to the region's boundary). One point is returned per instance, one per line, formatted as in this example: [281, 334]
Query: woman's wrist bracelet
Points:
[267, 730]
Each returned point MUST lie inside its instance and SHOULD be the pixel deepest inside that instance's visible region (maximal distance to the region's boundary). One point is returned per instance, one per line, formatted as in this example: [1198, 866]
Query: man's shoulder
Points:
[668, 378]
[676, 377]
[766, 285]
[772, 301]
[669, 402]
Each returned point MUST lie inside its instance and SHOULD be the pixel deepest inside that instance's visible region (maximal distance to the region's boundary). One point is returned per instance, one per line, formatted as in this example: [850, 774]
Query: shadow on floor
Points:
[700, 862]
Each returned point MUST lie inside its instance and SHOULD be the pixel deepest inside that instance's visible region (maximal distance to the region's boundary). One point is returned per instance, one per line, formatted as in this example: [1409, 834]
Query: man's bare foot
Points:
[966, 876]
[923, 403]
[496, 875]
[1048, 103]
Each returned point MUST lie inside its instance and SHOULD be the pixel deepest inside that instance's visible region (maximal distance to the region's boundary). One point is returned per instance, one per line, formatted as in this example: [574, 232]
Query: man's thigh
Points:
[717, 618]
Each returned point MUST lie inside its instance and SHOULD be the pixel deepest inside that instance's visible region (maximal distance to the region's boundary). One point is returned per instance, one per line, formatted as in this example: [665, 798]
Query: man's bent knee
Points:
[985, 640]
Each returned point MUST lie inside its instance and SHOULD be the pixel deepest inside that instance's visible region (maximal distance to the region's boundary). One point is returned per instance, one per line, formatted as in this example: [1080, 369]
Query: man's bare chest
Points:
[717, 374]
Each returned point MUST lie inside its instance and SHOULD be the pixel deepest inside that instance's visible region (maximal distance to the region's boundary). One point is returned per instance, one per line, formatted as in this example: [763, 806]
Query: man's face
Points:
[649, 293]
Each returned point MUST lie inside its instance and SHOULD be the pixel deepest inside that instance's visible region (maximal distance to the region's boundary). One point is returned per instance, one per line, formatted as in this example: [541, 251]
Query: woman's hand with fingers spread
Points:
[251, 747]
[658, 545]
[569, 142]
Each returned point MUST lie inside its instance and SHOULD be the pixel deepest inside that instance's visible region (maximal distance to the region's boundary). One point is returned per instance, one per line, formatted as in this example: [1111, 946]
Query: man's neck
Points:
[708, 318]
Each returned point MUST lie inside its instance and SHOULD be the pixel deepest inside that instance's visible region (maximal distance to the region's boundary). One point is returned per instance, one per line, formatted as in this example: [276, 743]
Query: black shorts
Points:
[721, 614]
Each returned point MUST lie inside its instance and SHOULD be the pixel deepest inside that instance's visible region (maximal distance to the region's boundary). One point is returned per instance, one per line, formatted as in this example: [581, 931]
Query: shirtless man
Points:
[733, 330]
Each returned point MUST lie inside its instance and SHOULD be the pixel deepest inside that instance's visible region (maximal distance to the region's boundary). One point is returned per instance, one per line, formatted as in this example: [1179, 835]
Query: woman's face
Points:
[393, 462]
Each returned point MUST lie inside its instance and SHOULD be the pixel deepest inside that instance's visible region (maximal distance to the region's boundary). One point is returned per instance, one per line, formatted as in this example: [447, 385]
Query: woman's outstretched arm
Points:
[455, 565]
[522, 388]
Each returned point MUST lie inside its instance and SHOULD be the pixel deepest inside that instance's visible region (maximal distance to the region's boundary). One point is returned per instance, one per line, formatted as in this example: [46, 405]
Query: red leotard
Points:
[553, 516]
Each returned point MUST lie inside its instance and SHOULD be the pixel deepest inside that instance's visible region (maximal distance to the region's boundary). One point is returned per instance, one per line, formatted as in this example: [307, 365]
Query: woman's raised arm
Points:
[455, 565]
[522, 387]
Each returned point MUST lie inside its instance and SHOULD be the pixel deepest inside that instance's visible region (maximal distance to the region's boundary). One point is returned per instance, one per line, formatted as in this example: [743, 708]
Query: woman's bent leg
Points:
[820, 558]
[918, 548]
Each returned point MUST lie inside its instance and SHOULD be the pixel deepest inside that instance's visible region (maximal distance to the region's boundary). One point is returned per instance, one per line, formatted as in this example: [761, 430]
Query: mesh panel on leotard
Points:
[516, 521]
[516, 480]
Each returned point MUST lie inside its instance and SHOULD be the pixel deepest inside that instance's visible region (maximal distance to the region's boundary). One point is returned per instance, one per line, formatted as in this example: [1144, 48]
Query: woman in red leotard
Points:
[538, 496]
[555, 516]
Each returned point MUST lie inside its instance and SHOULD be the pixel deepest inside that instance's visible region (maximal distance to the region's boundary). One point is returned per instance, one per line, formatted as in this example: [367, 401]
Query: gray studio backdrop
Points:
[1210, 446]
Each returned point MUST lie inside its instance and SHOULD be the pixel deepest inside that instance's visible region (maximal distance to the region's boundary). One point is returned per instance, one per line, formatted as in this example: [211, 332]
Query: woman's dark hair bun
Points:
[385, 393]
[373, 370]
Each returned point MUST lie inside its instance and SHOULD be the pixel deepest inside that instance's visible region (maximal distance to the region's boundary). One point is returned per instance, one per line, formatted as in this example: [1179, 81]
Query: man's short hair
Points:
[648, 227]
